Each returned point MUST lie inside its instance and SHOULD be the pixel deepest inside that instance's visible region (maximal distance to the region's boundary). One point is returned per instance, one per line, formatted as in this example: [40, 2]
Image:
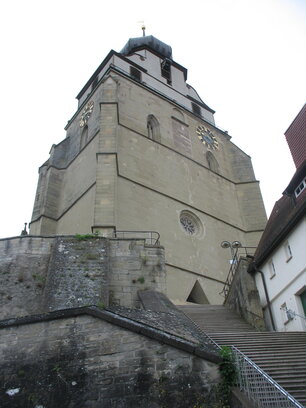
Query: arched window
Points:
[153, 128]
[84, 137]
[212, 162]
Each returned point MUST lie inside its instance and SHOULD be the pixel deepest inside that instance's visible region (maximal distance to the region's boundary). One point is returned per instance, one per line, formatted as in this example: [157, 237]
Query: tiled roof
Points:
[296, 137]
[287, 212]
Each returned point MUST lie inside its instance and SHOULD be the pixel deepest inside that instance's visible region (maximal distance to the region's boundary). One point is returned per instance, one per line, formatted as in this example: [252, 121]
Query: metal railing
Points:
[237, 253]
[259, 387]
[150, 237]
[291, 314]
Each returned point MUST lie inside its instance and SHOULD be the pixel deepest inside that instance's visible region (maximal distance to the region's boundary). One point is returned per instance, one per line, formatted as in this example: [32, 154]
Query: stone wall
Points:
[24, 264]
[78, 273]
[84, 361]
[41, 274]
[243, 296]
[134, 267]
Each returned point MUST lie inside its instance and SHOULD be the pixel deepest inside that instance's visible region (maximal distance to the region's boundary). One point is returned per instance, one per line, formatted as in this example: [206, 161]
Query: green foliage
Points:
[32, 398]
[84, 237]
[227, 367]
[37, 277]
[101, 305]
[21, 373]
[56, 368]
[40, 280]
[92, 256]
[198, 405]
[163, 378]
[228, 376]
[141, 279]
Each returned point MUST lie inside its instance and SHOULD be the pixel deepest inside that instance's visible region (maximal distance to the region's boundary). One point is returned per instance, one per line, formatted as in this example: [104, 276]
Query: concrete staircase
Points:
[282, 355]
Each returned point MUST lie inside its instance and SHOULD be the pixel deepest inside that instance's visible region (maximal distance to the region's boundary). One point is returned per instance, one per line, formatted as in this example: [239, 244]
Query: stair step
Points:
[278, 366]
[278, 362]
[282, 355]
[292, 376]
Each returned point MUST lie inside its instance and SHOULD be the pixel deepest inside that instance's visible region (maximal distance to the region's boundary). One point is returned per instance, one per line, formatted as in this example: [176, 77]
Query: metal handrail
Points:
[239, 252]
[291, 314]
[150, 237]
[259, 386]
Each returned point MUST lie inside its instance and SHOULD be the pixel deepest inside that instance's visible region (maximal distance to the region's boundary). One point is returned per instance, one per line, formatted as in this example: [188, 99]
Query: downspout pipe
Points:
[267, 296]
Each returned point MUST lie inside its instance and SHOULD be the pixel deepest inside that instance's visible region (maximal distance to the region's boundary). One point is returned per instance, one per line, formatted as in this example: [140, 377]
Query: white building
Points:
[280, 259]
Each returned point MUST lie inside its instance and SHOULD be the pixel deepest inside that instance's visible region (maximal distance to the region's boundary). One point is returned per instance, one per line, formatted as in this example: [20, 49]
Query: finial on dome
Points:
[143, 27]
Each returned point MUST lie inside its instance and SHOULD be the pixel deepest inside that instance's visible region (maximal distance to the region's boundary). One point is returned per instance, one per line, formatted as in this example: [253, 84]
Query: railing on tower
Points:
[150, 237]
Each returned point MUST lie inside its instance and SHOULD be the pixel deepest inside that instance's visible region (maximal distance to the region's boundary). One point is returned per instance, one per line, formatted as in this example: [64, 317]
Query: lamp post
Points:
[232, 245]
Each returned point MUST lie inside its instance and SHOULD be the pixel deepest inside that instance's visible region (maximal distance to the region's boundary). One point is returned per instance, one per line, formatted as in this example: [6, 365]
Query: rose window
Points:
[188, 225]
[191, 223]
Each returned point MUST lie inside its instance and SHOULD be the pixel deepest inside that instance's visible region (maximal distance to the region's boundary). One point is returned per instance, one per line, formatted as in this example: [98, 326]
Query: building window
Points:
[288, 251]
[153, 128]
[301, 187]
[135, 74]
[212, 162]
[190, 223]
[272, 269]
[166, 70]
[196, 109]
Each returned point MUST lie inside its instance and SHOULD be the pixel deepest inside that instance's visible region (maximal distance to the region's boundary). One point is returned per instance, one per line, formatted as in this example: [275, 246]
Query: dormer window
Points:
[301, 187]
[196, 109]
[135, 74]
[166, 70]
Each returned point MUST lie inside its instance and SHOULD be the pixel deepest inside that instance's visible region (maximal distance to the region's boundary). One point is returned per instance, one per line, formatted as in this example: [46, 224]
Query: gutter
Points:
[255, 269]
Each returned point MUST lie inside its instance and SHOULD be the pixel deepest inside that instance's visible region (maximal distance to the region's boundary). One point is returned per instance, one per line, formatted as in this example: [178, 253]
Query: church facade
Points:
[143, 153]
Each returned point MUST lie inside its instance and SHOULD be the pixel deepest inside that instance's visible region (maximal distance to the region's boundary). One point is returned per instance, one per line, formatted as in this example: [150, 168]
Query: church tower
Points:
[143, 153]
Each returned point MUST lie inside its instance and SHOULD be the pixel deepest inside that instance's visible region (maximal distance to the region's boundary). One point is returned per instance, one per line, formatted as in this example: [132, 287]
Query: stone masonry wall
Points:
[78, 273]
[24, 264]
[39, 274]
[83, 361]
[243, 296]
[134, 267]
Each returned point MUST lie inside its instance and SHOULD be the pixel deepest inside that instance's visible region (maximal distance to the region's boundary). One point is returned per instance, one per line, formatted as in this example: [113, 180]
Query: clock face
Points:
[87, 111]
[207, 137]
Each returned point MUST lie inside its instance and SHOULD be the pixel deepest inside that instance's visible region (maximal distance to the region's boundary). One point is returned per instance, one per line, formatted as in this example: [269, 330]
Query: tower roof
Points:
[149, 41]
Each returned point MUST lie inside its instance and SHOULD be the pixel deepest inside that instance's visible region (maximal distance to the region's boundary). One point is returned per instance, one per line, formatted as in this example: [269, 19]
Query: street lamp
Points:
[232, 246]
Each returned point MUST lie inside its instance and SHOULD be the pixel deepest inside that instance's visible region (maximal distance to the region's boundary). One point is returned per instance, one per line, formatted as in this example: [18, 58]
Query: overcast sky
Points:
[245, 58]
